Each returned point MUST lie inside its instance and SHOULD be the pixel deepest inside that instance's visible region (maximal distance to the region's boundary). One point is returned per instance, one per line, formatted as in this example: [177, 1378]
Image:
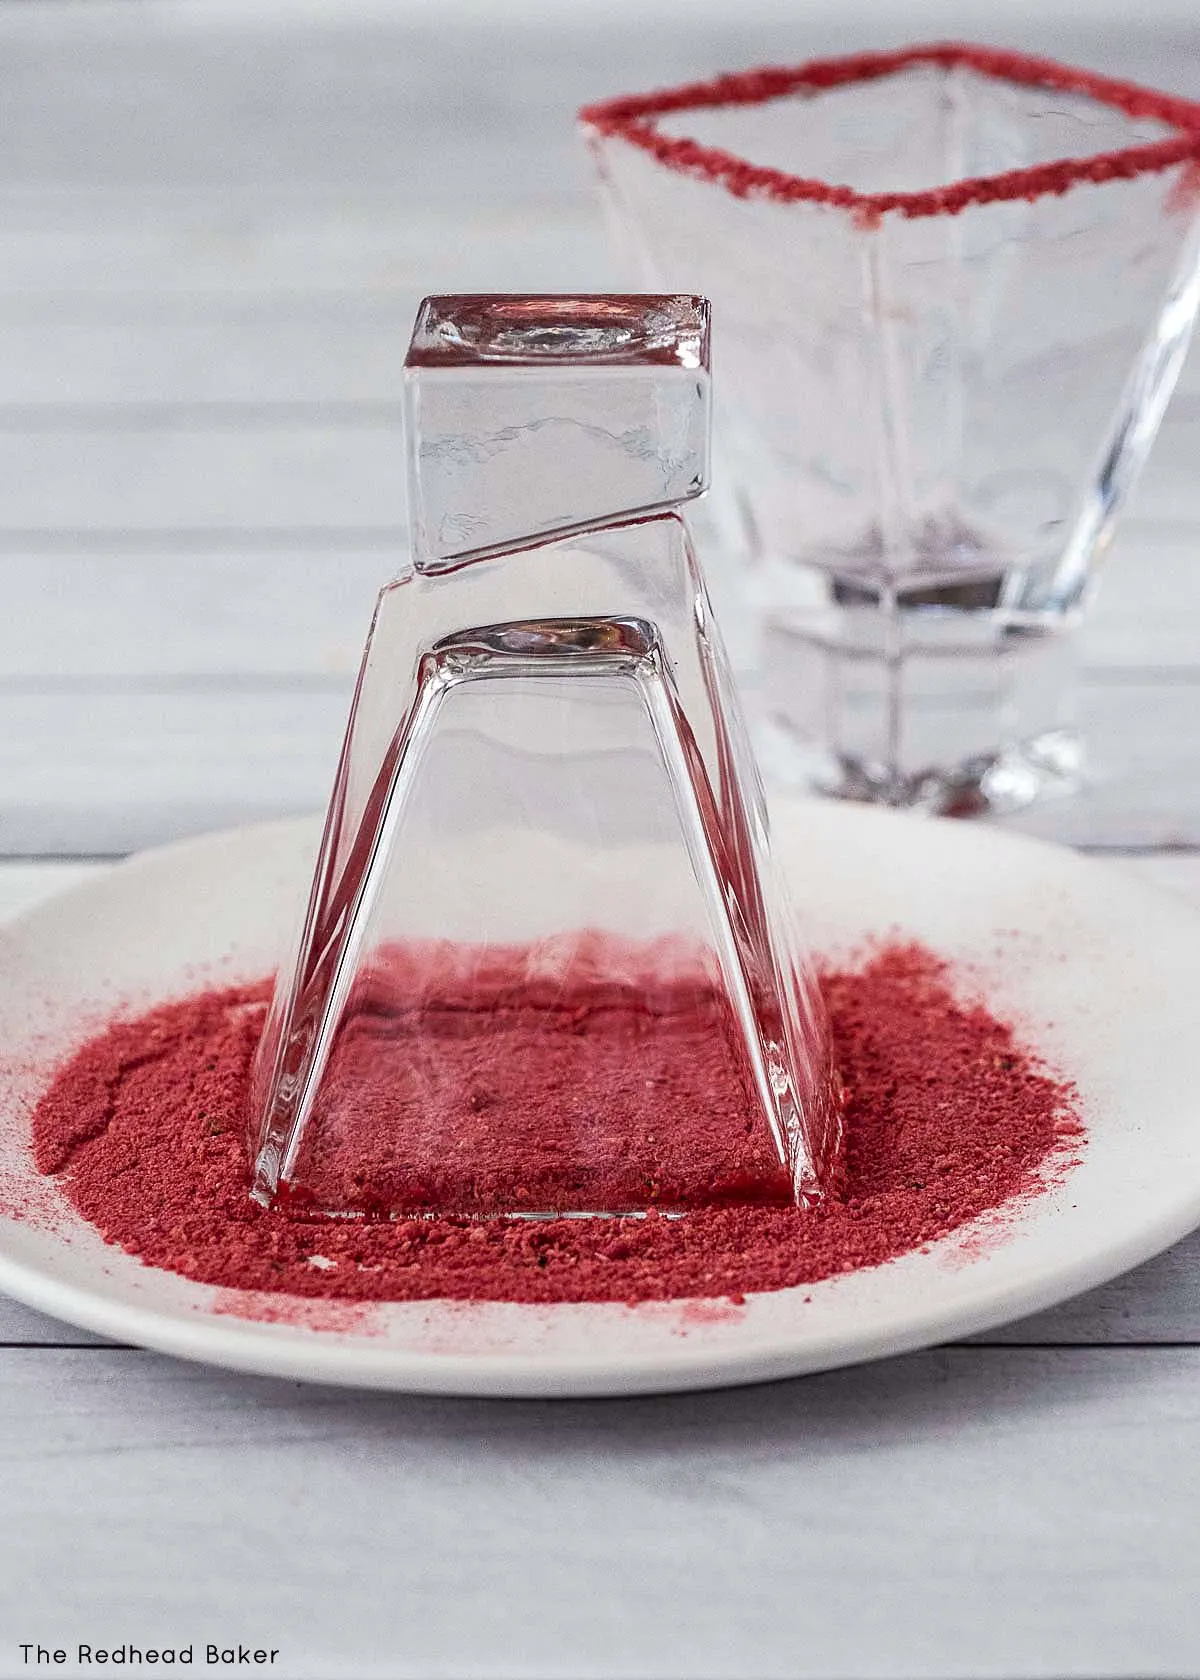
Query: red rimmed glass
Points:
[952, 291]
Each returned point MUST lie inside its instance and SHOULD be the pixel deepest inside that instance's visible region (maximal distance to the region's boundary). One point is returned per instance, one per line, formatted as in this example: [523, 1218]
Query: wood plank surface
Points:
[197, 615]
[109, 766]
[1033, 1508]
[168, 607]
[294, 475]
[67, 485]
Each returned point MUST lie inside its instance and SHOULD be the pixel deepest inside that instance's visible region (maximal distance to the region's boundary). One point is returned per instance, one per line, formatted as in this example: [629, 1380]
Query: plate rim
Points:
[300, 1352]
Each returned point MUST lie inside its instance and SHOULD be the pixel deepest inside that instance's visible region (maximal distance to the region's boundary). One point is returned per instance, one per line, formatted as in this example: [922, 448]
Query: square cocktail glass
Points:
[953, 289]
[545, 894]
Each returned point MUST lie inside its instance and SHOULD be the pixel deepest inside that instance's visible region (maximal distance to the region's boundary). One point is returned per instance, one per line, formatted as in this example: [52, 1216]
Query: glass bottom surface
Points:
[933, 700]
[1050, 765]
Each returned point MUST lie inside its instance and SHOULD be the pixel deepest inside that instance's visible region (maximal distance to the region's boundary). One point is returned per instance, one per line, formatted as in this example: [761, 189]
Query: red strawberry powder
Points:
[947, 1117]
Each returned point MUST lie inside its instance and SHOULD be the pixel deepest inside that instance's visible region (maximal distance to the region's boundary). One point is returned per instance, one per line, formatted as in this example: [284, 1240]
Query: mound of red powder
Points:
[947, 1117]
[491, 1078]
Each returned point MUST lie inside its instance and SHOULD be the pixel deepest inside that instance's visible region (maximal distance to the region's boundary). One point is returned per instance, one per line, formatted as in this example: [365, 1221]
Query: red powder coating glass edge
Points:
[630, 117]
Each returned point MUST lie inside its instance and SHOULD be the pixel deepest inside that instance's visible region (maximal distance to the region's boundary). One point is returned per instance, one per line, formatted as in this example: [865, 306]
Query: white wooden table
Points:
[216, 222]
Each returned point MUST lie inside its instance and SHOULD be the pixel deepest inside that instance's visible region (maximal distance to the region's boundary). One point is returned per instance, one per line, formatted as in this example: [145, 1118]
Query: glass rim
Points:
[541, 330]
[631, 117]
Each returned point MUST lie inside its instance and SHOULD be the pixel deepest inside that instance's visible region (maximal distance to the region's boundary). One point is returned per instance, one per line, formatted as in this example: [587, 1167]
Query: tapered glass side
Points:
[545, 902]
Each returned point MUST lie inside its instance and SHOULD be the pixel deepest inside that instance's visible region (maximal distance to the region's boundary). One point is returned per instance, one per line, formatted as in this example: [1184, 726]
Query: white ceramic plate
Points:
[1102, 973]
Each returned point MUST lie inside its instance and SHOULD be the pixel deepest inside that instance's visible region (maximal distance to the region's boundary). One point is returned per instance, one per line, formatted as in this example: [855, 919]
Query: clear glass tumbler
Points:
[952, 290]
[545, 922]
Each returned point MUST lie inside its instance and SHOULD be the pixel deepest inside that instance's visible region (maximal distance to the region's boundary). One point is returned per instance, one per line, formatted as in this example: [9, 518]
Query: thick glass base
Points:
[958, 712]
[1046, 766]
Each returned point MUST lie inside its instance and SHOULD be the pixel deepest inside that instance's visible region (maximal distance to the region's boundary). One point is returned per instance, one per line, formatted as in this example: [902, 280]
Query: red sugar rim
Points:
[631, 117]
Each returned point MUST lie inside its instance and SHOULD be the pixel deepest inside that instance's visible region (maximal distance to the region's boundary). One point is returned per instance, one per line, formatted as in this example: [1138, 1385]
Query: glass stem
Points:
[894, 490]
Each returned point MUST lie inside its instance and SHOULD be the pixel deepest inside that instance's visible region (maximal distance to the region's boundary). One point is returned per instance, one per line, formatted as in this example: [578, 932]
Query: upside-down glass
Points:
[952, 291]
[546, 839]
